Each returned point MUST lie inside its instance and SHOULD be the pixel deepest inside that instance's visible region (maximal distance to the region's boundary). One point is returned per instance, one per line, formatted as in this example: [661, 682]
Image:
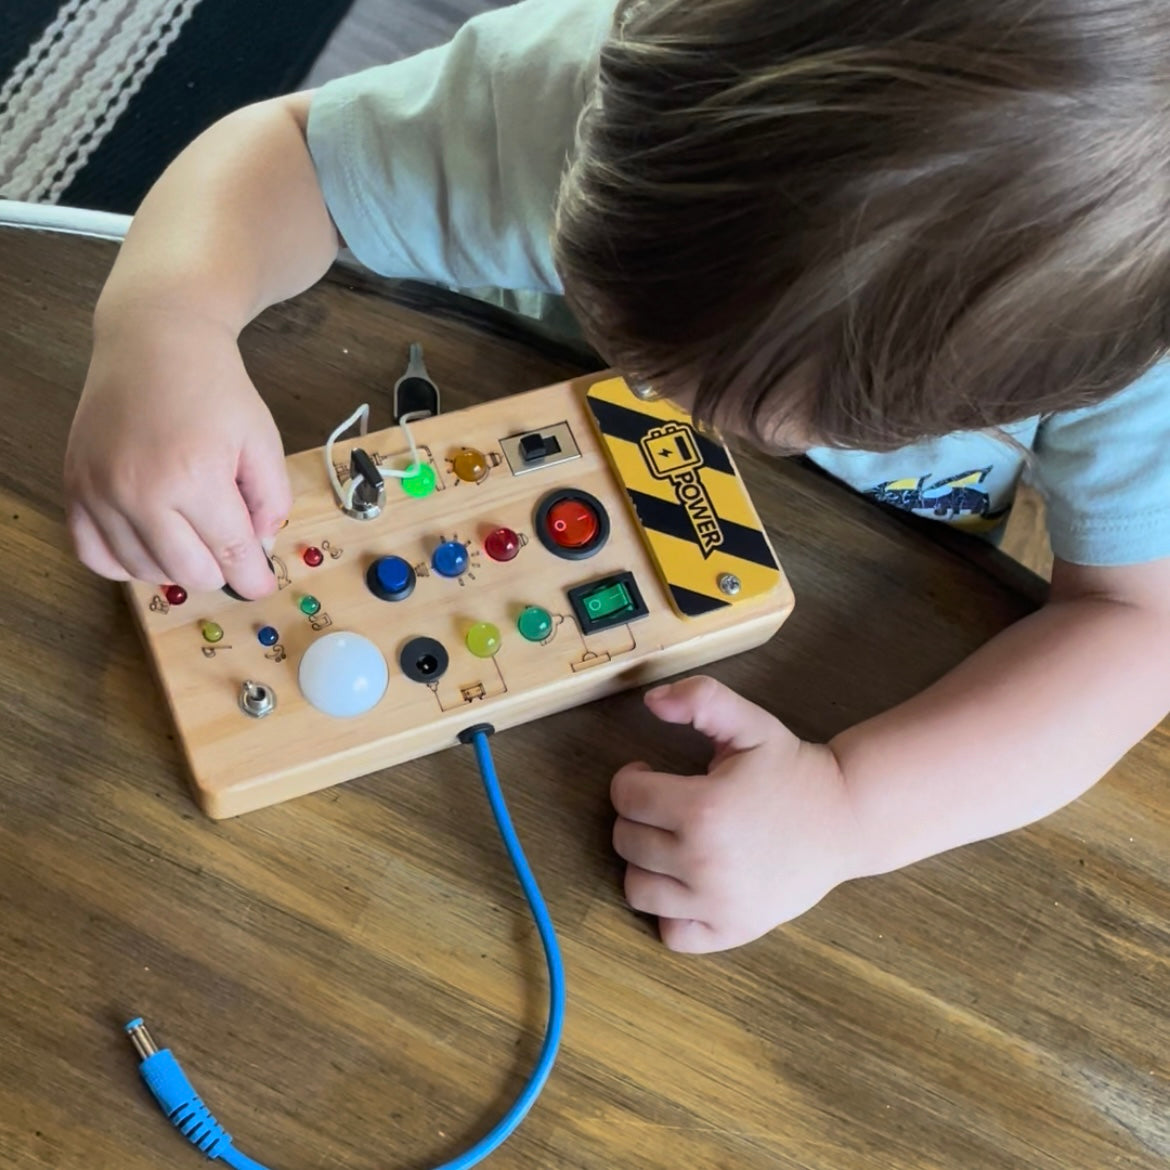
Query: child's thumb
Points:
[263, 483]
[715, 710]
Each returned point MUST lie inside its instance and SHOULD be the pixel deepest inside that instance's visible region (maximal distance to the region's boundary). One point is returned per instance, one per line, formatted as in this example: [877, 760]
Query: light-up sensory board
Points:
[556, 546]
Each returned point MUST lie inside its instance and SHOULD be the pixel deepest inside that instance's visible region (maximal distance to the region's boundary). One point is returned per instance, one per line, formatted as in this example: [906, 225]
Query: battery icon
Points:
[670, 449]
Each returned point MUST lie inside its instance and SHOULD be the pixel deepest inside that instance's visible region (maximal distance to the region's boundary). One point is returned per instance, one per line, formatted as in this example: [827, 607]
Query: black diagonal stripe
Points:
[693, 604]
[631, 425]
[671, 518]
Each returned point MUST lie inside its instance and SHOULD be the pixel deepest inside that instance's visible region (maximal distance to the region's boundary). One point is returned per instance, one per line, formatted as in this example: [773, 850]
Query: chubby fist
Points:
[724, 857]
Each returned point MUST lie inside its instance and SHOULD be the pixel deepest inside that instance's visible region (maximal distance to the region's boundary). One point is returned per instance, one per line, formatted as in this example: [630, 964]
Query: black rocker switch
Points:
[537, 446]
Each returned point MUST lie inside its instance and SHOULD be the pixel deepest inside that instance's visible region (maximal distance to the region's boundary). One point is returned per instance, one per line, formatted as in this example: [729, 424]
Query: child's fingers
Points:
[655, 893]
[263, 482]
[223, 523]
[715, 710]
[180, 552]
[651, 798]
[648, 848]
[126, 546]
[92, 549]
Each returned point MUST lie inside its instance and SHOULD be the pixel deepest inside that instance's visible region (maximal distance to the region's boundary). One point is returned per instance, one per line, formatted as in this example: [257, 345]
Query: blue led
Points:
[390, 578]
[450, 559]
[268, 635]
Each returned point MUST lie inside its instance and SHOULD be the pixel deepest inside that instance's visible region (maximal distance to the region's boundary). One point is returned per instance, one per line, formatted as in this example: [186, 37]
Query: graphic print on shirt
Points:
[958, 499]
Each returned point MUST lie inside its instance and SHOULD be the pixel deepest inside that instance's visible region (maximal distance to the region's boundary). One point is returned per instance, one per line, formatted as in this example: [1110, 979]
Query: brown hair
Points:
[882, 220]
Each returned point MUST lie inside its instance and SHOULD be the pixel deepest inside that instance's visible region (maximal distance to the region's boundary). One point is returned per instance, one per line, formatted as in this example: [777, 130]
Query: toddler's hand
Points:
[174, 471]
[723, 858]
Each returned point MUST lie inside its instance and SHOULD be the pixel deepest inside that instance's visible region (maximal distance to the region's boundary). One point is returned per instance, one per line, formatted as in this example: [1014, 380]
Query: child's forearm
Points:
[236, 223]
[1021, 728]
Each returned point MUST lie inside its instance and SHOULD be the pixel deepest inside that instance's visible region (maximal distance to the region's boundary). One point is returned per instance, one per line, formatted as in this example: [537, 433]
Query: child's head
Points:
[876, 220]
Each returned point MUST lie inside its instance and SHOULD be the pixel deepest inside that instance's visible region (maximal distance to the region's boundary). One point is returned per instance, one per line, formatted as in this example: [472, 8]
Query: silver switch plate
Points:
[560, 432]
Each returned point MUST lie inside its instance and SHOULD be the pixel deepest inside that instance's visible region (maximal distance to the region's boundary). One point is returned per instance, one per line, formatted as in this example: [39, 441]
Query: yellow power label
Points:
[696, 518]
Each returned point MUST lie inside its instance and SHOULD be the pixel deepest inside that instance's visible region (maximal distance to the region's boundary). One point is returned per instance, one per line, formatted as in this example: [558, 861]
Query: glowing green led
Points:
[309, 605]
[421, 483]
[534, 623]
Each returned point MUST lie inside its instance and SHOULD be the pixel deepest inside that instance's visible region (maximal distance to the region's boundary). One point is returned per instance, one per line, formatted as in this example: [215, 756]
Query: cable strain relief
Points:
[468, 734]
[196, 1123]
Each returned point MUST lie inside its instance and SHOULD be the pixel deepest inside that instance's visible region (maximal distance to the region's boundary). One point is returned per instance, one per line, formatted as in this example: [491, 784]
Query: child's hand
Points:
[723, 858]
[174, 471]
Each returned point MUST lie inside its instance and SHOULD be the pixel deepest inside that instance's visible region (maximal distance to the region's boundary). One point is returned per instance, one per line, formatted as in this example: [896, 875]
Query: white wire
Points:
[362, 417]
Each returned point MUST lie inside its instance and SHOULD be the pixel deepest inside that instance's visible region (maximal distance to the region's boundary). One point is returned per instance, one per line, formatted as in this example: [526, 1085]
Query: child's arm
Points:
[236, 223]
[1022, 727]
[175, 469]
[1025, 725]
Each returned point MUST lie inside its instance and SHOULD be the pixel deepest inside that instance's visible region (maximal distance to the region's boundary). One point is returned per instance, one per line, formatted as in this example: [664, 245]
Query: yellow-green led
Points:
[212, 632]
[309, 605]
[483, 639]
[534, 623]
[421, 483]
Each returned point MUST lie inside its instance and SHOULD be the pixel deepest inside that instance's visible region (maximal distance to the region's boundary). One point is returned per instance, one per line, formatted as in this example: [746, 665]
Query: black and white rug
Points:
[97, 96]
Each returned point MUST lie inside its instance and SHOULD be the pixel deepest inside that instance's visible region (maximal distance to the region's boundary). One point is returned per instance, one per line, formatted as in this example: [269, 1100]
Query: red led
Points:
[175, 594]
[572, 523]
[502, 544]
[312, 557]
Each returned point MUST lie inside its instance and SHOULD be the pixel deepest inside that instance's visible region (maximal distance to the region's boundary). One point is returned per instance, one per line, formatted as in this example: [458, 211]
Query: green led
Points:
[421, 483]
[309, 605]
[606, 602]
[483, 639]
[534, 623]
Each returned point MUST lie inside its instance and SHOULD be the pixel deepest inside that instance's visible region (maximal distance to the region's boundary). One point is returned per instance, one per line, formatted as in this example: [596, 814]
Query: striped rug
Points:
[97, 96]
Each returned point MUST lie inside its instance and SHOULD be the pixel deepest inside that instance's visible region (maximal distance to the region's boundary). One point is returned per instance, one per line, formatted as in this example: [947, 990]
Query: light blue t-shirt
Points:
[445, 168]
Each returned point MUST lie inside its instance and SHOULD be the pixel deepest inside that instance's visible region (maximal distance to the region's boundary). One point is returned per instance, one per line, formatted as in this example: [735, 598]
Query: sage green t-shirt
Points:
[445, 168]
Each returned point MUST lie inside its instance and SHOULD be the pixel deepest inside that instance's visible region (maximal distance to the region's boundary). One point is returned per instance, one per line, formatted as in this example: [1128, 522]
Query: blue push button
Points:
[390, 578]
[450, 559]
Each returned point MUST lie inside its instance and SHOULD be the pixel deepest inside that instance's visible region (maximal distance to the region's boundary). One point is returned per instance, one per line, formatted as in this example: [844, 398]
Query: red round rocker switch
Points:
[572, 524]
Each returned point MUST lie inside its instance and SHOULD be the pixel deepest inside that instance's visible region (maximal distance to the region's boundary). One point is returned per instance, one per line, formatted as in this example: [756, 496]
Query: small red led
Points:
[572, 523]
[175, 594]
[312, 557]
[502, 544]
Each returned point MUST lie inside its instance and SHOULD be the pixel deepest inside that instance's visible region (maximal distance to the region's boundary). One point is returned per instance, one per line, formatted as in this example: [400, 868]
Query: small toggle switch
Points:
[369, 489]
[256, 699]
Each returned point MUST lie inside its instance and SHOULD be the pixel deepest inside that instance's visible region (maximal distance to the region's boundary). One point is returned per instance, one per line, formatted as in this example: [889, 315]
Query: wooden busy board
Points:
[684, 575]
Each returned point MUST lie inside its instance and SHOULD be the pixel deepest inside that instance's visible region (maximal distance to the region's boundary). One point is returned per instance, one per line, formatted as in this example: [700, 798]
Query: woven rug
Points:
[97, 96]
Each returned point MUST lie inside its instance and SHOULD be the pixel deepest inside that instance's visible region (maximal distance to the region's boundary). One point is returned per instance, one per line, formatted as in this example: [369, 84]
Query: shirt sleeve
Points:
[445, 167]
[1105, 473]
